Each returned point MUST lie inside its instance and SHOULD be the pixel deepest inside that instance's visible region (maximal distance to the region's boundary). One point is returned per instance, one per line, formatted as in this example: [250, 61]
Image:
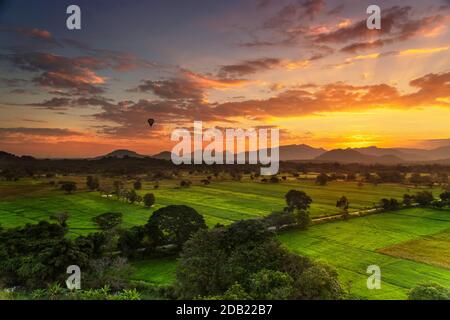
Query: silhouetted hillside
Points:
[353, 156]
[121, 153]
[408, 154]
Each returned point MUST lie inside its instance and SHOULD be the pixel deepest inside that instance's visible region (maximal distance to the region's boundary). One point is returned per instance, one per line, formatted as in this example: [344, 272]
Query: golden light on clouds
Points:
[422, 51]
[293, 65]
[360, 141]
[443, 99]
[367, 56]
[344, 23]
[211, 83]
[384, 127]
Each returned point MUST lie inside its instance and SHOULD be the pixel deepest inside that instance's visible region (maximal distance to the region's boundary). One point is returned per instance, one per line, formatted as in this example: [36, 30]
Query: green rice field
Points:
[410, 246]
[29, 201]
[351, 246]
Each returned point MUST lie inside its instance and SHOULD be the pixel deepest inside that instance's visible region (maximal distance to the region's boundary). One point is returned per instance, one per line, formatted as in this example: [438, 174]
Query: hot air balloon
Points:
[151, 122]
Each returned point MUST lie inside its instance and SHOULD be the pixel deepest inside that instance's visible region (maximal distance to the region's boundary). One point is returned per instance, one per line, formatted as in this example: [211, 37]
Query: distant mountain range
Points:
[287, 153]
[369, 155]
[385, 155]
[407, 153]
[361, 155]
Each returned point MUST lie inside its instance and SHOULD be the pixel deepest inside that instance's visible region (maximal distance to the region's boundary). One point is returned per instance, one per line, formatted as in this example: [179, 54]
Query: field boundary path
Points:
[338, 217]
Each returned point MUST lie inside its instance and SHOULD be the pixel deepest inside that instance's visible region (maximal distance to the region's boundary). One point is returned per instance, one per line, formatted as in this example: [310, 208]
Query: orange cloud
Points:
[212, 83]
[293, 65]
[249, 67]
[338, 97]
[36, 33]
[407, 52]
[398, 25]
[344, 23]
[422, 51]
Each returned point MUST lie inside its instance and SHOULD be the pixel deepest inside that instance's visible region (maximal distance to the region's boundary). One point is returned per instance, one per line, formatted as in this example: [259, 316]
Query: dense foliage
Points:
[429, 291]
[175, 224]
[246, 258]
[34, 255]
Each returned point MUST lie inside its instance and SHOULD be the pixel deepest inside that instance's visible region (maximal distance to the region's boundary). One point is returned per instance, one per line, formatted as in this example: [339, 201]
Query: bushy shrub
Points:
[429, 291]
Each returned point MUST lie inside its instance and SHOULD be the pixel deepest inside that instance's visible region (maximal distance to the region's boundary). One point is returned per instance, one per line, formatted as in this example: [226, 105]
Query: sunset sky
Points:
[309, 67]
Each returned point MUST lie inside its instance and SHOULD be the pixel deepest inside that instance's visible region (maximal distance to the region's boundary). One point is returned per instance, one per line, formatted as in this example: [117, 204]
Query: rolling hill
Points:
[164, 155]
[353, 156]
[299, 152]
[121, 153]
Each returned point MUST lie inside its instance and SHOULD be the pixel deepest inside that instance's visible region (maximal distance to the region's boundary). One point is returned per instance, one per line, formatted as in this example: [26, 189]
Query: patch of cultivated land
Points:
[415, 240]
[28, 201]
[351, 246]
[82, 207]
[433, 249]
[156, 271]
[228, 200]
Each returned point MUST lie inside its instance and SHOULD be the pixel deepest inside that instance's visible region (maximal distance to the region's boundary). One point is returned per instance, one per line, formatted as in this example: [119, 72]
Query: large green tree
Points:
[149, 200]
[69, 186]
[298, 203]
[175, 224]
[297, 200]
[322, 179]
[343, 204]
[424, 198]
